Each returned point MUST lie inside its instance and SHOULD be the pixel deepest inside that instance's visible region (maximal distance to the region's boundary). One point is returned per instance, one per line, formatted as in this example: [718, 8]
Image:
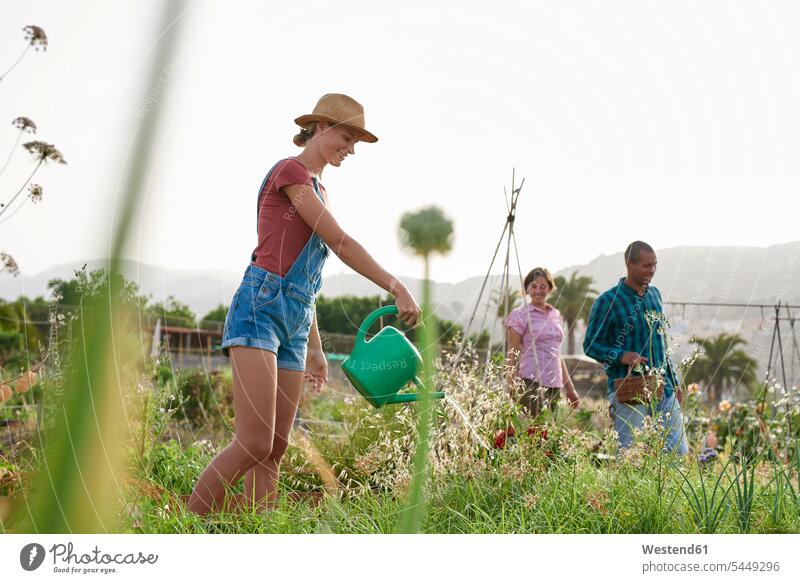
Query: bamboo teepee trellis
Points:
[507, 239]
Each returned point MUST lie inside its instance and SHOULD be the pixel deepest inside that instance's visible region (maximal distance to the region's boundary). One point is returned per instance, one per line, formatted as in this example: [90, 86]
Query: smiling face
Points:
[538, 290]
[335, 143]
[642, 271]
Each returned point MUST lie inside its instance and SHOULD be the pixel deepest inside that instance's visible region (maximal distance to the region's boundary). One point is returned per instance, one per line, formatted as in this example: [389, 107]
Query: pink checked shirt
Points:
[546, 329]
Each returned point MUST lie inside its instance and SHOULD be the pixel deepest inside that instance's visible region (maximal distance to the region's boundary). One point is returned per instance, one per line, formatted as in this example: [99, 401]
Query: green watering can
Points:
[380, 367]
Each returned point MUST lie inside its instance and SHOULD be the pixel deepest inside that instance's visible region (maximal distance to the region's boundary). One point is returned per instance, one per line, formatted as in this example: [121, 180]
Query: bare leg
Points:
[261, 480]
[254, 388]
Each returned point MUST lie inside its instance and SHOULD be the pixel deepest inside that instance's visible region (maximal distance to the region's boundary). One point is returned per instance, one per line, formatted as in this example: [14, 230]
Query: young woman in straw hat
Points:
[271, 334]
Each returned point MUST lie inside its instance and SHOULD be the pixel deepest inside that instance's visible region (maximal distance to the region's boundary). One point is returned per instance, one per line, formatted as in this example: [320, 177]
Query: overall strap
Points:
[317, 191]
[311, 249]
[258, 203]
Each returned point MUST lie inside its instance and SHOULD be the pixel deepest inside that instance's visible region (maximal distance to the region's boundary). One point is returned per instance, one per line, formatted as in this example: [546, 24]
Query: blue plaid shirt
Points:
[617, 325]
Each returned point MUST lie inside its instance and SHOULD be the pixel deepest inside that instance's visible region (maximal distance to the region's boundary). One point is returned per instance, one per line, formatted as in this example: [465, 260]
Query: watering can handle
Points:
[370, 320]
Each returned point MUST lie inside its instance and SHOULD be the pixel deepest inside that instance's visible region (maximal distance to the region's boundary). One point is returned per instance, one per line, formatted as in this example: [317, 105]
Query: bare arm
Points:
[314, 340]
[569, 386]
[316, 363]
[565, 373]
[317, 216]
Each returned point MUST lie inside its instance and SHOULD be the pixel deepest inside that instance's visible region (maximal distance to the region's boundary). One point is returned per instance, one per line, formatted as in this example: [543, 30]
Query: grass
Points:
[595, 502]
[532, 485]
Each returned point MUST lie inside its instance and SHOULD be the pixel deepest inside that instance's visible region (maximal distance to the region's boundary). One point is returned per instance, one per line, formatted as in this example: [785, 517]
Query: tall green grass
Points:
[78, 487]
[425, 232]
[413, 512]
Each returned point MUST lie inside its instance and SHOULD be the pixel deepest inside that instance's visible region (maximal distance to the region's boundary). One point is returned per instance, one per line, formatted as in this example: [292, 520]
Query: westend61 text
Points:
[668, 550]
[65, 554]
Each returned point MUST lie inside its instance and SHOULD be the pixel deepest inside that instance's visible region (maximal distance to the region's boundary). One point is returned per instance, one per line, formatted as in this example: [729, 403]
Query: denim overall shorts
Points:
[274, 313]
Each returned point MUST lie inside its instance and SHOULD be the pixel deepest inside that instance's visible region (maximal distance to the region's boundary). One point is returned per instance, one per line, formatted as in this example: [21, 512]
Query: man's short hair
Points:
[635, 249]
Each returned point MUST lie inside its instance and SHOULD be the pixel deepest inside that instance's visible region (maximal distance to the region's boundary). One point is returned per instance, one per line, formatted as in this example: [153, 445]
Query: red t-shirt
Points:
[282, 232]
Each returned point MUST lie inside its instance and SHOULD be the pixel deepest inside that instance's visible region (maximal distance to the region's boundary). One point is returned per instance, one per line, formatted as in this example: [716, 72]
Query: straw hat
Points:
[336, 108]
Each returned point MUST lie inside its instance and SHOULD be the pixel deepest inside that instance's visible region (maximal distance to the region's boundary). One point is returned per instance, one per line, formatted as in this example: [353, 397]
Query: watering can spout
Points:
[380, 367]
[412, 397]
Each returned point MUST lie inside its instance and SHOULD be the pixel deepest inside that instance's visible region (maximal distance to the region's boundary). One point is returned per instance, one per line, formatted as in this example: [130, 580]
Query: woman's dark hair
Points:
[540, 272]
[305, 134]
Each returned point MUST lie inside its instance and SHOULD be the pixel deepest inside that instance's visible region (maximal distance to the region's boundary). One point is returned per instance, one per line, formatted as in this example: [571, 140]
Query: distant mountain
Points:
[204, 290]
[713, 274]
[201, 290]
[685, 274]
[724, 274]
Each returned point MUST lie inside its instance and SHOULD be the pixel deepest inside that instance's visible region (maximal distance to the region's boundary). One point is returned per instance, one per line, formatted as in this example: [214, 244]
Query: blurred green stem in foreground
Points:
[424, 232]
[78, 488]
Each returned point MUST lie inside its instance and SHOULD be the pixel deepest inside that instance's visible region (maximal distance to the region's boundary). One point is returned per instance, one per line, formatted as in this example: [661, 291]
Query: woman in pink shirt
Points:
[535, 332]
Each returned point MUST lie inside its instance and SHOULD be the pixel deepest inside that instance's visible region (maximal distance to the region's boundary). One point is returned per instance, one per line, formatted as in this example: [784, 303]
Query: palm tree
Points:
[503, 301]
[722, 365]
[573, 298]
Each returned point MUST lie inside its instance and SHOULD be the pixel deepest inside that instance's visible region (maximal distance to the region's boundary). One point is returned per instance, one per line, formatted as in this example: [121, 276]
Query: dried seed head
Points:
[598, 501]
[24, 124]
[9, 264]
[36, 37]
[25, 382]
[529, 501]
[5, 393]
[44, 151]
[35, 192]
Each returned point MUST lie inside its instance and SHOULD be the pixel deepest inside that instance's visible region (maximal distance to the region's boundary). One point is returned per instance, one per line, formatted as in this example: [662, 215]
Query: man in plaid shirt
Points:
[623, 331]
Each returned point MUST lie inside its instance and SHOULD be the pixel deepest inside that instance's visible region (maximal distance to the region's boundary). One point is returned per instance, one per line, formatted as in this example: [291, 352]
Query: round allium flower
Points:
[44, 151]
[36, 37]
[724, 406]
[427, 231]
[24, 124]
[9, 264]
[35, 192]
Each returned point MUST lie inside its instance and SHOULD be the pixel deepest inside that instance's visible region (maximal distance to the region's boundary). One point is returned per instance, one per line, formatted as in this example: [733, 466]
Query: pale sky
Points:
[677, 123]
